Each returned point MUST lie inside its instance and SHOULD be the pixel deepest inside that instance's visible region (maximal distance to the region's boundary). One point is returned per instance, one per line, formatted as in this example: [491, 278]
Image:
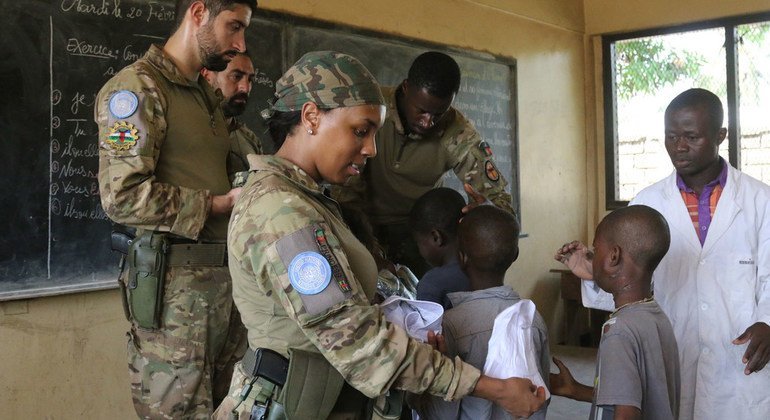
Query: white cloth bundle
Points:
[594, 297]
[511, 347]
[417, 317]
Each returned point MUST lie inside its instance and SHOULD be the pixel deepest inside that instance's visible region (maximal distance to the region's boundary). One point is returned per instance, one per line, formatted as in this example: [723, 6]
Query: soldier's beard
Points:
[207, 50]
[233, 109]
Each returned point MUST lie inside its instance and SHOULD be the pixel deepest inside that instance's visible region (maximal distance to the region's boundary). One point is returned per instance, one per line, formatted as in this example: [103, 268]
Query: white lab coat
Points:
[713, 293]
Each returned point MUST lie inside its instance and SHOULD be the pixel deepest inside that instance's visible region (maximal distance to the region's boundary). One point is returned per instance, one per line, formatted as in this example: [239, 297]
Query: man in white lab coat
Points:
[714, 283]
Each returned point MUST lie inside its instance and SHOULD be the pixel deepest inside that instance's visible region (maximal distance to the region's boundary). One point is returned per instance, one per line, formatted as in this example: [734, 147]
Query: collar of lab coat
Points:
[724, 214]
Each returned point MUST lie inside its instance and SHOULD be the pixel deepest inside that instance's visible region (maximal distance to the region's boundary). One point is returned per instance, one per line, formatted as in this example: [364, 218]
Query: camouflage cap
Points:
[329, 79]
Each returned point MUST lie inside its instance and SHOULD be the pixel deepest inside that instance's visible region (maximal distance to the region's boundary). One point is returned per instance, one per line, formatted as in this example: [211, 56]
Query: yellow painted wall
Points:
[607, 16]
[64, 357]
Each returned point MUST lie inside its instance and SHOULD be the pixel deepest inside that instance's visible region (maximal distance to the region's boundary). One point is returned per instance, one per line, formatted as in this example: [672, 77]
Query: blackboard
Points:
[54, 57]
[56, 54]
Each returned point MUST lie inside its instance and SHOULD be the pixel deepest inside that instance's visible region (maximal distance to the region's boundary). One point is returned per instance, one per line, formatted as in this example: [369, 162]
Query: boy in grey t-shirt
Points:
[637, 372]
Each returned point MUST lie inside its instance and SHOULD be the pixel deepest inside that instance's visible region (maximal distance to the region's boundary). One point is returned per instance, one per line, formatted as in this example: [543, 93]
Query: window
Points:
[645, 70]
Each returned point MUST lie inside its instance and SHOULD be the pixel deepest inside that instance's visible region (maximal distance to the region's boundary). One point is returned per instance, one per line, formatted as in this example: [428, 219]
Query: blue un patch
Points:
[123, 104]
[309, 273]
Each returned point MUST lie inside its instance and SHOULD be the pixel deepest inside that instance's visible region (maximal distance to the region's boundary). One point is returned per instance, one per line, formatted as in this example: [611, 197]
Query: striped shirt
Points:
[701, 208]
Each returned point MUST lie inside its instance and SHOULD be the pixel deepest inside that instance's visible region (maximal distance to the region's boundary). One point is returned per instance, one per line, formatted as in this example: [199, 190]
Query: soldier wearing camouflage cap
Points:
[422, 138]
[304, 284]
[163, 144]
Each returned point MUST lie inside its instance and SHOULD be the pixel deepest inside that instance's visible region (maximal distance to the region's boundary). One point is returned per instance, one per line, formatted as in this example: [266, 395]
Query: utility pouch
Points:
[144, 283]
[312, 386]
[388, 406]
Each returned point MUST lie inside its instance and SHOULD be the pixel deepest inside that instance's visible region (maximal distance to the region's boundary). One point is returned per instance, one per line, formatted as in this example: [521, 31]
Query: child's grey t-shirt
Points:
[637, 364]
[467, 329]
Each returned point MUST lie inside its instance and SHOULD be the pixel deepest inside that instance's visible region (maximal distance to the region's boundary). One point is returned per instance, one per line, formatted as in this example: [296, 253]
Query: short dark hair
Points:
[281, 124]
[489, 237]
[440, 209]
[697, 97]
[213, 6]
[436, 72]
[640, 231]
[245, 54]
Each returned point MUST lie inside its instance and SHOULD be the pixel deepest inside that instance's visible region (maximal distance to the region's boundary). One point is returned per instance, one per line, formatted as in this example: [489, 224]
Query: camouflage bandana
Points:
[327, 78]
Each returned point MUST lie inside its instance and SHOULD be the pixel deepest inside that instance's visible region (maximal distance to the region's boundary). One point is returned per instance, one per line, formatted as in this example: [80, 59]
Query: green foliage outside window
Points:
[645, 65]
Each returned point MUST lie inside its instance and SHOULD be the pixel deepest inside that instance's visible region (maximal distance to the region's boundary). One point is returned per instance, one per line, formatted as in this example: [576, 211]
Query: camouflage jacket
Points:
[406, 167]
[163, 145]
[302, 280]
[243, 142]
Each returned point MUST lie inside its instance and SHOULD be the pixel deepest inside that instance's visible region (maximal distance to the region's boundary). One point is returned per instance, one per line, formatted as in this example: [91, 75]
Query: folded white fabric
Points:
[417, 317]
[511, 347]
[594, 297]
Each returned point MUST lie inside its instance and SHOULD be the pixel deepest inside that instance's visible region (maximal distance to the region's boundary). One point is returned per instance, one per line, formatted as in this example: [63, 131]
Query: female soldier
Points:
[303, 283]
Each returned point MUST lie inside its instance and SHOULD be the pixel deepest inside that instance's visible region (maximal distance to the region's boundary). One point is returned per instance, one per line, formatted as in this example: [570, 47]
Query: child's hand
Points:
[437, 341]
[518, 396]
[475, 199]
[562, 383]
[578, 258]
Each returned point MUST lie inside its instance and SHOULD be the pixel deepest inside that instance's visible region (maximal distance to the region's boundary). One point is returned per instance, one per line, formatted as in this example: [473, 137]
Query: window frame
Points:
[729, 25]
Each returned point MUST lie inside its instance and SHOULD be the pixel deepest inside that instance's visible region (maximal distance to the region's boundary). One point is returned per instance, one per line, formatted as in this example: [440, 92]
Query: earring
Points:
[310, 131]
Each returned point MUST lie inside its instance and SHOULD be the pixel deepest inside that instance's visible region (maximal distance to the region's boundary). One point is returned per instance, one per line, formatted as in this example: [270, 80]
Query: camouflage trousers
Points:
[183, 369]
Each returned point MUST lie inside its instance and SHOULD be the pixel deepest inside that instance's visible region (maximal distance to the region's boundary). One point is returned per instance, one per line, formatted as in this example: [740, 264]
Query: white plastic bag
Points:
[511, 347]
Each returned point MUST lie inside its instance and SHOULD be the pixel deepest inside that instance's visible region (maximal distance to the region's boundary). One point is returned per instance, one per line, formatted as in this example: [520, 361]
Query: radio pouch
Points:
[312, 386]
[144, 283]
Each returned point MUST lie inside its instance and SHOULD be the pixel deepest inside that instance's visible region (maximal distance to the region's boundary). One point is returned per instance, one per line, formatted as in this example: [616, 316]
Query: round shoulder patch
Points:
[491, 170]
[309, 273]
[123, 104]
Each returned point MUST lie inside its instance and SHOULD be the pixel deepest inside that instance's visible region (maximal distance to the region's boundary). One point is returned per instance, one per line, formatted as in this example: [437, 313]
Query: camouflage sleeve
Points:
[298, 260]
[132, 126]
[474, 164]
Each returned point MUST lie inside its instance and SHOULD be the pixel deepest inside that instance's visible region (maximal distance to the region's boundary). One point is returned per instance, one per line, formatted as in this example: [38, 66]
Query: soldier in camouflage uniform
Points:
[163, 144]
[235, 84]
[302, 281]
[422, 138]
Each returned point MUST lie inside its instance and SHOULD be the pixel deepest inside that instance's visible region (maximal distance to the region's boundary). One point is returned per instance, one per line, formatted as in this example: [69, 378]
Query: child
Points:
[488, 243]
[637, 372]
[433, 220]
